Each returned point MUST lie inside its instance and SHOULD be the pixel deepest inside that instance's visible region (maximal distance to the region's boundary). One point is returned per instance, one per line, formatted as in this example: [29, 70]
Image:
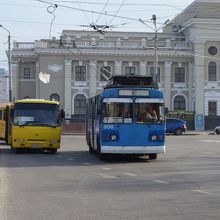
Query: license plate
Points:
[36, 146]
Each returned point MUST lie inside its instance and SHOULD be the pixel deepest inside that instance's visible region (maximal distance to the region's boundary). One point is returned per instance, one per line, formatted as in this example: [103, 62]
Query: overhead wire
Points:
[117, 12]
[102, 11]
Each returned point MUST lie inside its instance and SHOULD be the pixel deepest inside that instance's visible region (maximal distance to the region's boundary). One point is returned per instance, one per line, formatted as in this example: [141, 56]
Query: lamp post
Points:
[155, 29]
[154, 19]
[9, 62]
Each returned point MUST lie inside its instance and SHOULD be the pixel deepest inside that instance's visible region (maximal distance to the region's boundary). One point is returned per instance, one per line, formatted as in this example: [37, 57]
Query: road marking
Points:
[210, 141]
[70, 159]
[107, 176]
[106, 168]
[160, 181]
[130, 174]
[202, 192]
[86, 163]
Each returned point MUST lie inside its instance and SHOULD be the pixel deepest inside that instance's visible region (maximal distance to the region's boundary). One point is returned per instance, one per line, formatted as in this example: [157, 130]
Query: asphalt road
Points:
[183, 184]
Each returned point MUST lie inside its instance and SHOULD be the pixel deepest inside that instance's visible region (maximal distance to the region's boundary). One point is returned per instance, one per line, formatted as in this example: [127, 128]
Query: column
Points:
[143, 68]
[118, 67]
[199, 84]
[68, 88]
[14, 81]
[167, 84]
[190, 86]
[92, 77]
[37, 81]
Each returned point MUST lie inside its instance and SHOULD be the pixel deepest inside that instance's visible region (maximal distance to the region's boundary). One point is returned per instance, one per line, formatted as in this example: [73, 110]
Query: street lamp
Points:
[9, 61]
[154, 19]
[155, 29]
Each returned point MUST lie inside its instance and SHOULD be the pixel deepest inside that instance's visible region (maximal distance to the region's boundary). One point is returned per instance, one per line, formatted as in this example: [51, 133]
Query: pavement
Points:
[207, 132]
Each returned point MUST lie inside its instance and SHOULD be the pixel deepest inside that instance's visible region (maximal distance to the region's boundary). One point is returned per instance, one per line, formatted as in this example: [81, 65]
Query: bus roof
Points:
[37, 101]
[131, 81]
[4, 104]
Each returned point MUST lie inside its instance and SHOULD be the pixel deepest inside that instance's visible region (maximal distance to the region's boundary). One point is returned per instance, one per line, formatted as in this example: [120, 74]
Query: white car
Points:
[217, 130]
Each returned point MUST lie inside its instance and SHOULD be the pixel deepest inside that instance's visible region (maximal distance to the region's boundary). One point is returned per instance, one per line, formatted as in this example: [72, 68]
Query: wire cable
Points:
[102, 11]
[117, 12]
[51, 9]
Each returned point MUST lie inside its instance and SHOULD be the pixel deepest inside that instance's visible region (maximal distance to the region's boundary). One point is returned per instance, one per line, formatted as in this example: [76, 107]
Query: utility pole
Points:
[155, 77]
[9, 63]
[155, 29]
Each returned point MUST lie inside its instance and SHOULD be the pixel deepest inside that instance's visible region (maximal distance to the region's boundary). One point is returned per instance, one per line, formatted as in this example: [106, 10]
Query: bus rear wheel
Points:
[52, 151]
[152, 156]
[91, 150]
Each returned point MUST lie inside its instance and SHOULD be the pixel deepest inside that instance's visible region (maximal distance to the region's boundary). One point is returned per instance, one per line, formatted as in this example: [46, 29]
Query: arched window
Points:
[179, 103]
[80, 104]
[212, 72]
[55, 97]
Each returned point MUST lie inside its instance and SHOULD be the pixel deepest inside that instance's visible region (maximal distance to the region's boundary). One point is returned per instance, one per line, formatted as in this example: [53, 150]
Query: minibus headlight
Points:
[19, 140]
[113, 137]
[53, 141]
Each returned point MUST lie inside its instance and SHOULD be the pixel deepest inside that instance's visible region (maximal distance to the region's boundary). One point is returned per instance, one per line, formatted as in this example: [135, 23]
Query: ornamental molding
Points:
[55, 67]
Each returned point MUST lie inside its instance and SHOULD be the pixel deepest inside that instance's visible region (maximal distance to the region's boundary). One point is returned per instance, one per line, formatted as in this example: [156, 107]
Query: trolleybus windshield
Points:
[149, 111]
[37, 114]
[118, 110]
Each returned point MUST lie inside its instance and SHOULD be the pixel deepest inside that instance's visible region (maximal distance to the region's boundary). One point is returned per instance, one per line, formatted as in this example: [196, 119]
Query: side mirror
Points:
[62, 113]
[11, 112]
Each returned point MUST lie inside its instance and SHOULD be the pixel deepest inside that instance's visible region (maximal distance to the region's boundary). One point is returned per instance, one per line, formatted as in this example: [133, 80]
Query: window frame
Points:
[212, 71]
[212, 109]
[179, 77]
[152, 73]
[27, 75]
[179, 103]
[81, 75]
[127, 73]
[79, 108]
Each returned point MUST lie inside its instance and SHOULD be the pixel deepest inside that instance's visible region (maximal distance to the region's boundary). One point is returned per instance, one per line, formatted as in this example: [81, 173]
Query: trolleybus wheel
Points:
[91, 150]
[152, 156]
[100, 155]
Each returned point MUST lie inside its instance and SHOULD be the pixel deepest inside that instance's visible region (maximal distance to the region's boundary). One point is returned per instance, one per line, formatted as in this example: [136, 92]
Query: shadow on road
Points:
[39, 158]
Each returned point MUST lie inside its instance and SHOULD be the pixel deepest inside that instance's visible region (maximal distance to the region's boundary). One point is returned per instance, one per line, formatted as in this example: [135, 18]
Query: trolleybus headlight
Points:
[113, 137]
[153, 137]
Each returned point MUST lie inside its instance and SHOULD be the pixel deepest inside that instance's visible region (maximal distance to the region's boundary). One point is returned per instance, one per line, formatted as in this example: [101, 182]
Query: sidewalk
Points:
[208, 132]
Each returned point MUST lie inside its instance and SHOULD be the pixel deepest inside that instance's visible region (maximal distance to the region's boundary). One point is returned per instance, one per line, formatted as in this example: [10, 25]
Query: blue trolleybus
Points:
[126, 118]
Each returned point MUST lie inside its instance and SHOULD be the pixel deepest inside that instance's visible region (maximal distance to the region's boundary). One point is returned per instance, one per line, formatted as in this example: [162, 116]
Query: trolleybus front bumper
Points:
[133, 149]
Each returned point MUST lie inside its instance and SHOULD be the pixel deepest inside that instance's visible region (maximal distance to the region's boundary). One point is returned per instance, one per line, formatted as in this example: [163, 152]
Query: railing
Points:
[126, 44]
[23, 45]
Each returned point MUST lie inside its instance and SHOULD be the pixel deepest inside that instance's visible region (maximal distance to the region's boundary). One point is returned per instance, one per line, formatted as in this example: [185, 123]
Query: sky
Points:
[29, 20]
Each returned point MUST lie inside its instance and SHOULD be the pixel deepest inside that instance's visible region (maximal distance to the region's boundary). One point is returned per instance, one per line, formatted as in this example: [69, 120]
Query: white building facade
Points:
[4, 86]
[78, 65]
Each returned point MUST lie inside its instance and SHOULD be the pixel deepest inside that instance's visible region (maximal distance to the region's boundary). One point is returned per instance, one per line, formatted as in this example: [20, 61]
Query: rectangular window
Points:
[152, 73]
[212, 108]
[27, 73]
[105, 73]
[129, 70]
[1, 114]
[80, 73]
[117, 112]
[179, 74]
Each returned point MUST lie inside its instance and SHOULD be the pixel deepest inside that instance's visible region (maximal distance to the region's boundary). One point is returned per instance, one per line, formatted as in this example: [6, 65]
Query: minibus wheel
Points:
[53, 151]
